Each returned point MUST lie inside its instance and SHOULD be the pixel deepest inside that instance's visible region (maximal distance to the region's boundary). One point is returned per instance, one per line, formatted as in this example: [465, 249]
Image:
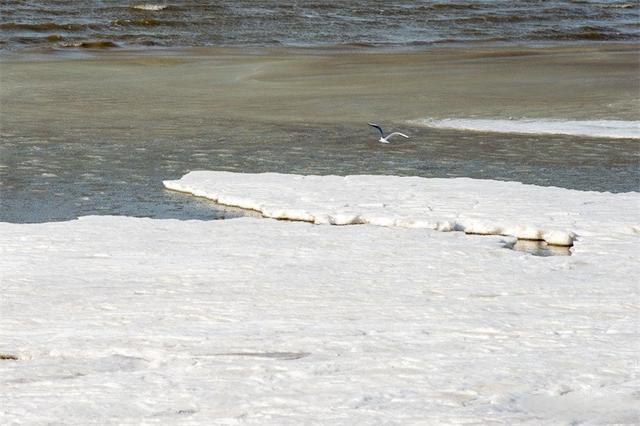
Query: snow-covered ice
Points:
[593, 128]
[119, 320]
[475, 206]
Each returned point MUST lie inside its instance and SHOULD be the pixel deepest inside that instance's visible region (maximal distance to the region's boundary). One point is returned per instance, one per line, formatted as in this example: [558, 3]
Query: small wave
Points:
[42, 27]
[452, 6]
[589, 33]
[54, 38]
[357, 45]
[619, 6]
[97, 44]
[144, 22]
[150, 7]
[490, 19]
[593, 128]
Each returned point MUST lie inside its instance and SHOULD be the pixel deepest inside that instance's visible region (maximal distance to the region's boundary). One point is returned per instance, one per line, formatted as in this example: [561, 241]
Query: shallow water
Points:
[55, 180]
[105, 24]
[98, 135]
[540, 248]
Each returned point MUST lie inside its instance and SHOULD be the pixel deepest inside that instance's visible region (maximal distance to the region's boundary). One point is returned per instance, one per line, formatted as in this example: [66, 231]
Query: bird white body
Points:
[385, 139]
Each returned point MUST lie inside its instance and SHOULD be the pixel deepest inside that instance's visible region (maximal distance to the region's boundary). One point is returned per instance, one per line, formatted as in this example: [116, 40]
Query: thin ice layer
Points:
[474, 206]
[593, 128]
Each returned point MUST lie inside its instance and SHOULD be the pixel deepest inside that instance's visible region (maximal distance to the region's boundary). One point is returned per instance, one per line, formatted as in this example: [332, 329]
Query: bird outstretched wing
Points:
[398, 134]
[377, 127]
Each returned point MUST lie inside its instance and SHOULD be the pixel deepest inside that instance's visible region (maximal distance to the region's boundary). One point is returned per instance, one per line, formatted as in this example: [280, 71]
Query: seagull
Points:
[383, 138]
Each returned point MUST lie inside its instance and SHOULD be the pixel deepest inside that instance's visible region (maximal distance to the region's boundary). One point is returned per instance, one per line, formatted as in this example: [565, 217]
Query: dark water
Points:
[95, 24]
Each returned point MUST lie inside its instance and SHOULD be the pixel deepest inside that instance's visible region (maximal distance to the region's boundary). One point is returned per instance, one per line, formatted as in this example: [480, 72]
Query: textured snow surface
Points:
[594, 128]
[474, 206]
[119, 320]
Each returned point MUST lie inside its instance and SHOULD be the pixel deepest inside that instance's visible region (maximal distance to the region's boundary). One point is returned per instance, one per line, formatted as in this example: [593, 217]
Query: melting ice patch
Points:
[595, 128]
[554, 215]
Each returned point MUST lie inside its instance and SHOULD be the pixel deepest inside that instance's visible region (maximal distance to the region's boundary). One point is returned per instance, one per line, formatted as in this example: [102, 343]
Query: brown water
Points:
[113, 23]
[96, 133]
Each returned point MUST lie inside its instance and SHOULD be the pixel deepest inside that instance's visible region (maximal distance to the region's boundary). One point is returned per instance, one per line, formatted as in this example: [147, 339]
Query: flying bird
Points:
[383, 138]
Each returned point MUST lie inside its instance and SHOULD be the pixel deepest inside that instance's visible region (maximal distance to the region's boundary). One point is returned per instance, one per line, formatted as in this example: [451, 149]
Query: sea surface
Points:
[102, 23]
[92, 119]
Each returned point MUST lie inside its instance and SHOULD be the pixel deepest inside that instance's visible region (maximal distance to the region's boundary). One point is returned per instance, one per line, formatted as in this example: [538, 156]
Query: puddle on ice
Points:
[539, 248]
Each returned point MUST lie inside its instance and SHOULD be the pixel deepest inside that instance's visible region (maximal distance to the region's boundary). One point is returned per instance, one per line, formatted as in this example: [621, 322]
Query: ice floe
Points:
[119, 320]
[593, 128]
[554, 215]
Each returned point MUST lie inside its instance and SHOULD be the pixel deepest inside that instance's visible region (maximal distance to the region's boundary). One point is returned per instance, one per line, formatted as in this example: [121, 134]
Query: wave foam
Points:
[150, 7]
[593, 128]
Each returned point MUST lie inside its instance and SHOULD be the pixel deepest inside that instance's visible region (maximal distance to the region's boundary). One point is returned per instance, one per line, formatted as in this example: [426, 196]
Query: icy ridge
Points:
[554, 215]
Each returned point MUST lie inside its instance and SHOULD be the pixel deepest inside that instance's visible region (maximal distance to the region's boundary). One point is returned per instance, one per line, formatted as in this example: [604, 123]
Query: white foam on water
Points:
[150, 7]
[616, 129]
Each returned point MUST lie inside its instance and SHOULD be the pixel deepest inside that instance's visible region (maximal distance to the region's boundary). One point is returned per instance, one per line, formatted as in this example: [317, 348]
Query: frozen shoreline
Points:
[126, 320]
